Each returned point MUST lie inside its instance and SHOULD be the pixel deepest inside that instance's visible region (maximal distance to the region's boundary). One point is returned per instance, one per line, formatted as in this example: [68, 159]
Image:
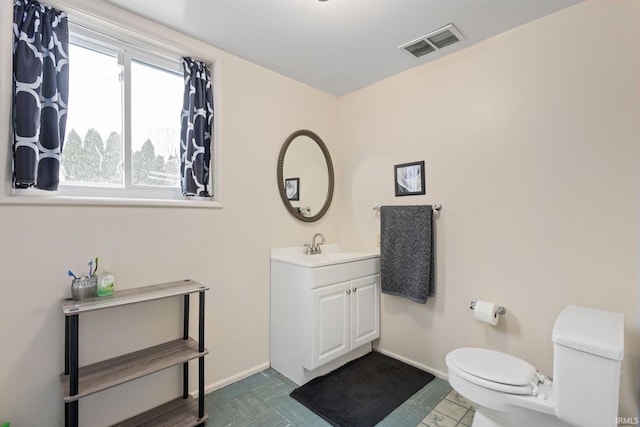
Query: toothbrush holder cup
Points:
[84, 287]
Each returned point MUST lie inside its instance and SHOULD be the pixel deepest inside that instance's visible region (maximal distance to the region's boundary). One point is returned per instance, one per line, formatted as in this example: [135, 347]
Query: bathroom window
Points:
[122, 142]
[101, 148]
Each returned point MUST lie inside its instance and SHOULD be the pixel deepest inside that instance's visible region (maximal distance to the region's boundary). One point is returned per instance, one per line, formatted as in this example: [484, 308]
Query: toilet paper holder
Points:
[501, 310]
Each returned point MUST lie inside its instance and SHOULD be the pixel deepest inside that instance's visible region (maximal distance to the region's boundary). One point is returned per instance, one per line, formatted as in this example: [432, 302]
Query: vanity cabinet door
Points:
[330, 323]
[365, 310]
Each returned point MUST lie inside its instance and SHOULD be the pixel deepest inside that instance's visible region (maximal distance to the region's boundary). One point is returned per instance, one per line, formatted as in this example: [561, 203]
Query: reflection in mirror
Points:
[306, 173]
[305, 176]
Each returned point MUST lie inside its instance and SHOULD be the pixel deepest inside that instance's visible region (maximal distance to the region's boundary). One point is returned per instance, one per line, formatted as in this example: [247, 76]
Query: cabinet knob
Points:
[354, 290]
[348, 291]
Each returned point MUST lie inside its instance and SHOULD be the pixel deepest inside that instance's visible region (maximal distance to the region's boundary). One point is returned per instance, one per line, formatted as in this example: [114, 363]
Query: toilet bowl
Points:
[509, 392]
[496, 383]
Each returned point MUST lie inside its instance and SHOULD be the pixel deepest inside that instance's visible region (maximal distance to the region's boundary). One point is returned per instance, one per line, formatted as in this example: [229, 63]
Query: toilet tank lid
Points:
[591, 330]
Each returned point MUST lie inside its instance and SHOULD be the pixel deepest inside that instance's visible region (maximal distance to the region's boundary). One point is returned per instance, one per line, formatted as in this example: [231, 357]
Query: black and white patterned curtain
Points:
[195, 133]
[40, 93]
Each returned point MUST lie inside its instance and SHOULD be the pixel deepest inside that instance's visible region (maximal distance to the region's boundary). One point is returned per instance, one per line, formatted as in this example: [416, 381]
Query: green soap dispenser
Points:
[106, 281]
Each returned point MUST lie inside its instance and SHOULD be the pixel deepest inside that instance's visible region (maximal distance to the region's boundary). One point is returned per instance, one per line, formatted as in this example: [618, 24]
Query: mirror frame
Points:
[283, 194]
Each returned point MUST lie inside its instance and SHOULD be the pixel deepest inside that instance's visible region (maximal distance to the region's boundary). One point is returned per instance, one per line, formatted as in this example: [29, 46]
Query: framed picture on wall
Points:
[409, 178]
[292, 185]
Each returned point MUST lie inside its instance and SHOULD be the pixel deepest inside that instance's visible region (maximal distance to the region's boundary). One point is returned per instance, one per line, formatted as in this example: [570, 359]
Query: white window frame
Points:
[109, 37]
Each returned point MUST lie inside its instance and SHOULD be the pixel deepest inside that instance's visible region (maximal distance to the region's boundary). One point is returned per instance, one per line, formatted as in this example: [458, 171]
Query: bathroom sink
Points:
[331, 254]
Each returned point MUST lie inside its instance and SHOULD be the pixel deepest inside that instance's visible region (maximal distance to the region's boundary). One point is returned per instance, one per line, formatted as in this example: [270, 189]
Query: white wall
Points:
[532, 145]
[227, 249]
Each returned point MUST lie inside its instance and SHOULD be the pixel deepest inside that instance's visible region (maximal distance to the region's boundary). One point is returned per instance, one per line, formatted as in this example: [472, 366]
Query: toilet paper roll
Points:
[486, 312]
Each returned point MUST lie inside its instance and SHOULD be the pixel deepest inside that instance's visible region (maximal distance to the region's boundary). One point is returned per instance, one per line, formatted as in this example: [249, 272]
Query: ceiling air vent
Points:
[433, 41]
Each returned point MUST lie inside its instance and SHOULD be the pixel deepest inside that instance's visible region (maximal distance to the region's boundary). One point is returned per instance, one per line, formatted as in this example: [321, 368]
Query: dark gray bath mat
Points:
[362, 392]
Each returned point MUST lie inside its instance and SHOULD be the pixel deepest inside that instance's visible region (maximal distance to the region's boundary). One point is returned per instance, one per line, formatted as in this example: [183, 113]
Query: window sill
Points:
[107, 201]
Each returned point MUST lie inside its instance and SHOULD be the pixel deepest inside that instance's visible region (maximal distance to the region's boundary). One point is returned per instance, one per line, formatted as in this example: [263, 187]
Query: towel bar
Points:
[435, 208]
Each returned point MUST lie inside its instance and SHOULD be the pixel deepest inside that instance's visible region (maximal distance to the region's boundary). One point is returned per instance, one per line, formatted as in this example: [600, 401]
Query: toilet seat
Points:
[494, 370]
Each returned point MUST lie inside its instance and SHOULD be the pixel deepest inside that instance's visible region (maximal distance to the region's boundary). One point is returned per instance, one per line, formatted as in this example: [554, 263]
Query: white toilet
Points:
[588, 346]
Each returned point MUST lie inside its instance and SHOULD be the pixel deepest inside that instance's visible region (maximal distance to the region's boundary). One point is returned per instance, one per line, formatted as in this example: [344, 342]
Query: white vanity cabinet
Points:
[323, 313]
[345, 316]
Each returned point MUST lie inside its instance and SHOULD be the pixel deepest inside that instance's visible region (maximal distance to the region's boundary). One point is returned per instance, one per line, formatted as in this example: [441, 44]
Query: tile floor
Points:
[263, 400]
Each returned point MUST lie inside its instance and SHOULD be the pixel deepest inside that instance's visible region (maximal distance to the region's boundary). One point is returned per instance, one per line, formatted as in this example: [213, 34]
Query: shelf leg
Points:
[185, 380]
[66, 345]
[72, 360]
[201, 387]
[185, 335]
[67, 405]
[73, 355]
[201, 323]
[71, 413]
[201, 359]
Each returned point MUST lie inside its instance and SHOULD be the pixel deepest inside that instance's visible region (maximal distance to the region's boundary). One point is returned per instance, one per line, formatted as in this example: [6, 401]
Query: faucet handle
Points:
[307, 249]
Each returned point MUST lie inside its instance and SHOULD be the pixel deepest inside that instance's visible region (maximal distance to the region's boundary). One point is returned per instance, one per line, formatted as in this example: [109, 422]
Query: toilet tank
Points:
[588, 347]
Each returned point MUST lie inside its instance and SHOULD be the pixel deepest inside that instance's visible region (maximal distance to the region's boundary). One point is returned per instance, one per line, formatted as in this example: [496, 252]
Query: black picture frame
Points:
[292, 187]
[408, 179]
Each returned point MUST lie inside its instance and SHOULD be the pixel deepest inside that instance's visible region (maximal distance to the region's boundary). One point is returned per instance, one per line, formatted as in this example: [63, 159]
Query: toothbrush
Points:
[70, 273]
[95, 270]
[90, 264]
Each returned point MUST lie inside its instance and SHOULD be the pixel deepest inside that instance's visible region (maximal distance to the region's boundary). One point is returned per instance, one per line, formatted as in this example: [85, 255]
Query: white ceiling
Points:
[337, 45]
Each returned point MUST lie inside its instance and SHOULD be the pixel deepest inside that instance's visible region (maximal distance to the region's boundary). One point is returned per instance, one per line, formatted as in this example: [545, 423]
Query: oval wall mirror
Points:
[305, 176]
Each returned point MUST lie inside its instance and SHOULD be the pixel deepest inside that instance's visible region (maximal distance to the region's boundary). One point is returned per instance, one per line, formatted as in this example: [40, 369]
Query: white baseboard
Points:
[437, 373]
[232, 379]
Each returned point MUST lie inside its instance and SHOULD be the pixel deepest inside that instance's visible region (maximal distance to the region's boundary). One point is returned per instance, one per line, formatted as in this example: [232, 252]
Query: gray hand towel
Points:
[406, 251]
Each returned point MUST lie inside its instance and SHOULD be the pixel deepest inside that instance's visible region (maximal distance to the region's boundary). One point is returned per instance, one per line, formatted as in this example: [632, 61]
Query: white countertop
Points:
[331, 254]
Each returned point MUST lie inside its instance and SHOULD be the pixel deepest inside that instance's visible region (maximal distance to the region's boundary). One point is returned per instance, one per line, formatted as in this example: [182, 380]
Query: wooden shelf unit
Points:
[78, 382]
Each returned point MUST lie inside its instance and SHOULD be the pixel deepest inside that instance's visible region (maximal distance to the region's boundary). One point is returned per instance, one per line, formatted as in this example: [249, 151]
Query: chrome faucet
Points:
[314, 248]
